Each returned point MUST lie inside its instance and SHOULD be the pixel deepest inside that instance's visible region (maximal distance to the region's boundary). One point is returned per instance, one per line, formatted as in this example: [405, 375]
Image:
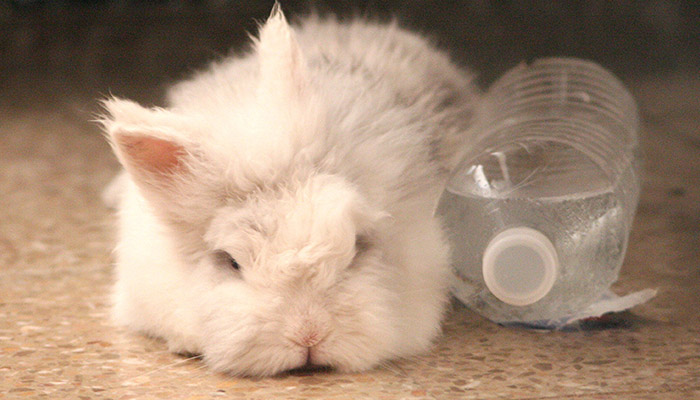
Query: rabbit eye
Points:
[233, 263]
[362, 243]
[227, 260]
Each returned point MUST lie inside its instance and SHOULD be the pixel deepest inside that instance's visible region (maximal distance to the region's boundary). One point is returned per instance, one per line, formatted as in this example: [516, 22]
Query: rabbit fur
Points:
[279, 212]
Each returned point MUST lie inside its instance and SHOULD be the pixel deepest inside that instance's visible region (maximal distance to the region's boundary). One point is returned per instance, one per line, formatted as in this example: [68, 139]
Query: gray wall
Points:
[126, 46]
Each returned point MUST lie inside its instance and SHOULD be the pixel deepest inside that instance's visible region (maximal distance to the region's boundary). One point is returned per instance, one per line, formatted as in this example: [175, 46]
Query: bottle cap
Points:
[520, 266]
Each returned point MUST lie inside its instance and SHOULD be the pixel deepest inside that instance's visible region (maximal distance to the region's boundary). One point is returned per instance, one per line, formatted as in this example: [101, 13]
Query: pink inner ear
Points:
[153, 154]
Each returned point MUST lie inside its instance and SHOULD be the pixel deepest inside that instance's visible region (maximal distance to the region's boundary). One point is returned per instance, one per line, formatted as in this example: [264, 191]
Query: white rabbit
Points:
[279, 213]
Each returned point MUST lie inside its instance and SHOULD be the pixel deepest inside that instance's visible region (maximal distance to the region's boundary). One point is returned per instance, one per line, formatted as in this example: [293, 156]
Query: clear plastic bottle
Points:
[539, 211]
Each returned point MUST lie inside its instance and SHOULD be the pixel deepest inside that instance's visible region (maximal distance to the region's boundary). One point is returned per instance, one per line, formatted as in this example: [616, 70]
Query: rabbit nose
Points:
[307, 333]
[309, 339]
[308, 336]
[307, 324]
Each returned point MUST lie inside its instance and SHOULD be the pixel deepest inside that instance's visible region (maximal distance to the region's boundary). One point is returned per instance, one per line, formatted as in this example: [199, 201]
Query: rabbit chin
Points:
[264, 355]
[259, 345]
[265, 359]
[261, 353]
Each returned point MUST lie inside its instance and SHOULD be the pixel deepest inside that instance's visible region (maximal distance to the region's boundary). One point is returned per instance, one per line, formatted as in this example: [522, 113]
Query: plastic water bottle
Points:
[539, 211]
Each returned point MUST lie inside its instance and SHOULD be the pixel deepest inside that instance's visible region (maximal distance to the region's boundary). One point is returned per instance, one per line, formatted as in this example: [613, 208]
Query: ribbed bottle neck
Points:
[568, 101]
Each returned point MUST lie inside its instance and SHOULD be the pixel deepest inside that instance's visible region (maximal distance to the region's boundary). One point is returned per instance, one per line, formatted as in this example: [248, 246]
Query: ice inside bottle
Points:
[539, 211]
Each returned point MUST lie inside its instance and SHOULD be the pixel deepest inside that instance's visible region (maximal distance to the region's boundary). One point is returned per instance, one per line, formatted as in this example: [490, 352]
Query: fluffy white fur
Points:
[315, 162]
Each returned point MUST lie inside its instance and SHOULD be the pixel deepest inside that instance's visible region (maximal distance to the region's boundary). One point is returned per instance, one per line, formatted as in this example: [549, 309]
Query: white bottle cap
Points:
[520, 266]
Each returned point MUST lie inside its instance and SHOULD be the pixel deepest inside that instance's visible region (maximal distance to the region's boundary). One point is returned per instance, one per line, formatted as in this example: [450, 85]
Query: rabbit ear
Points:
[163, 163]
[148, 154]
[147, 142]
[282, 65]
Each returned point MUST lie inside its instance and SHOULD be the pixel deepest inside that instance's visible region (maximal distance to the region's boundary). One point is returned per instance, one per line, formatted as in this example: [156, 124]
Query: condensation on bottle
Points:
[539, 210]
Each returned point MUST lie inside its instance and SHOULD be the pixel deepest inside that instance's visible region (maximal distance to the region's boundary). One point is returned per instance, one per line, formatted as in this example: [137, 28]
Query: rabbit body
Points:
[279, 212]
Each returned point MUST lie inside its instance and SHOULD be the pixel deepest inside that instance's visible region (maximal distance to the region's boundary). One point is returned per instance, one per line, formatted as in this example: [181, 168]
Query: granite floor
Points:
[56, 236]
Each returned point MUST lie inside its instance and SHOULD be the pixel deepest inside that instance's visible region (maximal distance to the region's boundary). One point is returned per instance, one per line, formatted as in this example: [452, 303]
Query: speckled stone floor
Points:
[57, 342]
